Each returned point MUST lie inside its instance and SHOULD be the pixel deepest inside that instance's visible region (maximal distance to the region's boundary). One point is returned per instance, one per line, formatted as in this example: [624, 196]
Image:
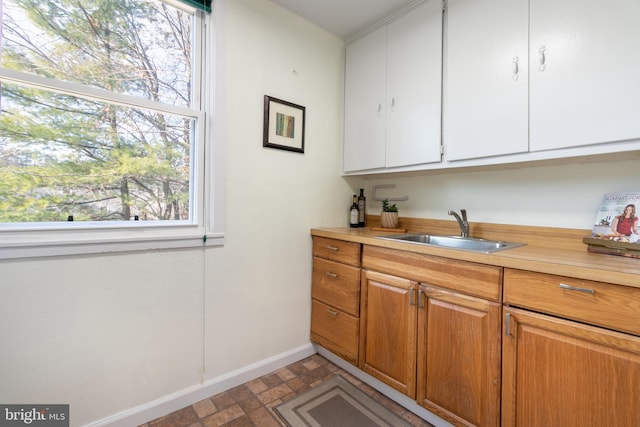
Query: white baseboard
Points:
[183, 398]
[391, 393]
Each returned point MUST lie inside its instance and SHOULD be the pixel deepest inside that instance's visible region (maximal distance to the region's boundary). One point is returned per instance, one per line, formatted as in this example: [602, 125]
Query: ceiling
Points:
[344, 18]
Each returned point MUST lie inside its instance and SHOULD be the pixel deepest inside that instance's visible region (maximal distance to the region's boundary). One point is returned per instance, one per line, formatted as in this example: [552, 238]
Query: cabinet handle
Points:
[542, 60]
[420, 293]
[333, 275]
[516, 68]
[507, 325]
[411, 297]
[332, 248]
[379, 108]
[331, 312]
[574, 288]
[393, 104]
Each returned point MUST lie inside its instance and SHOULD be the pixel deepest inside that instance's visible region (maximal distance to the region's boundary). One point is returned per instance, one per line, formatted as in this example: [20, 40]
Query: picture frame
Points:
[284, 125]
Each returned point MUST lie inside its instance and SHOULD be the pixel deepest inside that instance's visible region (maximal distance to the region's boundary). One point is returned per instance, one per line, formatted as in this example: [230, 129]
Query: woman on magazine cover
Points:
[626, 223]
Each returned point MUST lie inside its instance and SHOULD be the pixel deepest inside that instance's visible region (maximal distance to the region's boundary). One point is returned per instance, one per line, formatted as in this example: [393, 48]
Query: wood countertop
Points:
[548, 250]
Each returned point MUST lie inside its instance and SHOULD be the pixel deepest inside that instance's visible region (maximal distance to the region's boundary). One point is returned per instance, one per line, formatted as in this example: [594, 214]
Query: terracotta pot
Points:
[389, 219]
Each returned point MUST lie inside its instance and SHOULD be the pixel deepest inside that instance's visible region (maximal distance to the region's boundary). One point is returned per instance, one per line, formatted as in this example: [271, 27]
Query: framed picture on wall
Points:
[283, 125]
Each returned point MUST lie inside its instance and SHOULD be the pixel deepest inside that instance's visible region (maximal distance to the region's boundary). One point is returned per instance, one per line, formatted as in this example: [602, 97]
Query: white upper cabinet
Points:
[585, 72]
[414, 86]
[393, 93]
[365, 98]
[524, 80]
[486, 80]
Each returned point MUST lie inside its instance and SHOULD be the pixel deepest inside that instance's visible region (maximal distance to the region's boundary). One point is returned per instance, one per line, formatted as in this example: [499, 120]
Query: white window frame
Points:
[28, 240]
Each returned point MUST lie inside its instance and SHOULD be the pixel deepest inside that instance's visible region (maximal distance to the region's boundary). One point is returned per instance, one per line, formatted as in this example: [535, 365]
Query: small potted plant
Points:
[389, 215]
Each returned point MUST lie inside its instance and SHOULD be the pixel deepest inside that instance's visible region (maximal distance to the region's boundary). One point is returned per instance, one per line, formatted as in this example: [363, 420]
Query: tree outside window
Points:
[98, 117]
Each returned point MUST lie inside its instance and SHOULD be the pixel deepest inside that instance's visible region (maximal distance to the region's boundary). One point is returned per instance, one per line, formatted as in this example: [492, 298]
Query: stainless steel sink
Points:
[453, 242]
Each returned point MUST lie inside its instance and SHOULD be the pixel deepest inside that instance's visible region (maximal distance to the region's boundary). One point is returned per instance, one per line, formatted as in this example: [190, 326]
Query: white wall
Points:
[258, 292]
[565, 196]
[109, 333]
[102, 333]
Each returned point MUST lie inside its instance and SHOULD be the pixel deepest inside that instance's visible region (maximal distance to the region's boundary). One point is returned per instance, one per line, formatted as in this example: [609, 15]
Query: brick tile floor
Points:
[250, 404]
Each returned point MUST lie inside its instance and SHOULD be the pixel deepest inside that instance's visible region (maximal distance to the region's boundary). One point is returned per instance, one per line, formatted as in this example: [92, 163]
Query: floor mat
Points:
[337, 403]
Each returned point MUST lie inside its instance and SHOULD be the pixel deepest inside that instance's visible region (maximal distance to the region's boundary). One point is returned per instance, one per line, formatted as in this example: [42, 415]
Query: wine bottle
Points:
[354, 213]
[362, 204]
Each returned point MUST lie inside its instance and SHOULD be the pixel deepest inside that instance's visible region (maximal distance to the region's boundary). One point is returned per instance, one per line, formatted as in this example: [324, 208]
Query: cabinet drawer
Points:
[603, 304]
[337, 250]
[337, 285]
[335, 330]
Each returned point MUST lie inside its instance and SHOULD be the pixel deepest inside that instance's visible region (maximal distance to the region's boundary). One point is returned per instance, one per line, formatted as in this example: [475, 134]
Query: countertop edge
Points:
[578, 264]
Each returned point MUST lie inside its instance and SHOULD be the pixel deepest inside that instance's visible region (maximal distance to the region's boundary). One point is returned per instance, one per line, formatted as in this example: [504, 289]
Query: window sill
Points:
[18, 250]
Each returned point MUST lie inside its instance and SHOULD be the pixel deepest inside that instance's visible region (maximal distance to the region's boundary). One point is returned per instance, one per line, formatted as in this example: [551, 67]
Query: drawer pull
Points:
[332, 275]
[332, 248]
[331, 312]
[574, 288]
[542, 60]
[516, 68]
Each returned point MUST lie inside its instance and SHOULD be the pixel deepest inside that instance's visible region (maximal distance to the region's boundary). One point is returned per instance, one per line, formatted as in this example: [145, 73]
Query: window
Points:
[102, 122]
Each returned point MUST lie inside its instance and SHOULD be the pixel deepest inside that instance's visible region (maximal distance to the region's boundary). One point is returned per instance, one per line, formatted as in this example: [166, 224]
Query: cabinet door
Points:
[486, 85]
[365, 80]
[459, 357]
[562, 373]
[414, 79]
[585, 64]
[389, 316]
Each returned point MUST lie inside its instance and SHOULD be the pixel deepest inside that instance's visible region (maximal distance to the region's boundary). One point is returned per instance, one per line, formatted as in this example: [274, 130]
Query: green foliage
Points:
[388, 208]
[62, 155]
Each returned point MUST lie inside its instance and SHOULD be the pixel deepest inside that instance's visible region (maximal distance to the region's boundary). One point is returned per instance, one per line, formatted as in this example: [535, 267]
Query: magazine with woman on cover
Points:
[615, 230]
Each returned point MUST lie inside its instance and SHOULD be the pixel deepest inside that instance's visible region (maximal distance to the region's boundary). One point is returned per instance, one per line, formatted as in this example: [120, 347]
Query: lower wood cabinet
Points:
[459, 356]
[389, 335]
[563, 373]
[481, 345]
[335, 297]
[571, 352]
[437, 345]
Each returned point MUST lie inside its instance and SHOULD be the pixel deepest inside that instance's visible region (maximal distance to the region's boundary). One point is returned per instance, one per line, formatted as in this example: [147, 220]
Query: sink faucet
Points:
[462, 222]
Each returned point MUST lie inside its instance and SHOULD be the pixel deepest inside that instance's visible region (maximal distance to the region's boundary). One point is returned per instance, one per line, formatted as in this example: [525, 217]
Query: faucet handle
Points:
[463, 212]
